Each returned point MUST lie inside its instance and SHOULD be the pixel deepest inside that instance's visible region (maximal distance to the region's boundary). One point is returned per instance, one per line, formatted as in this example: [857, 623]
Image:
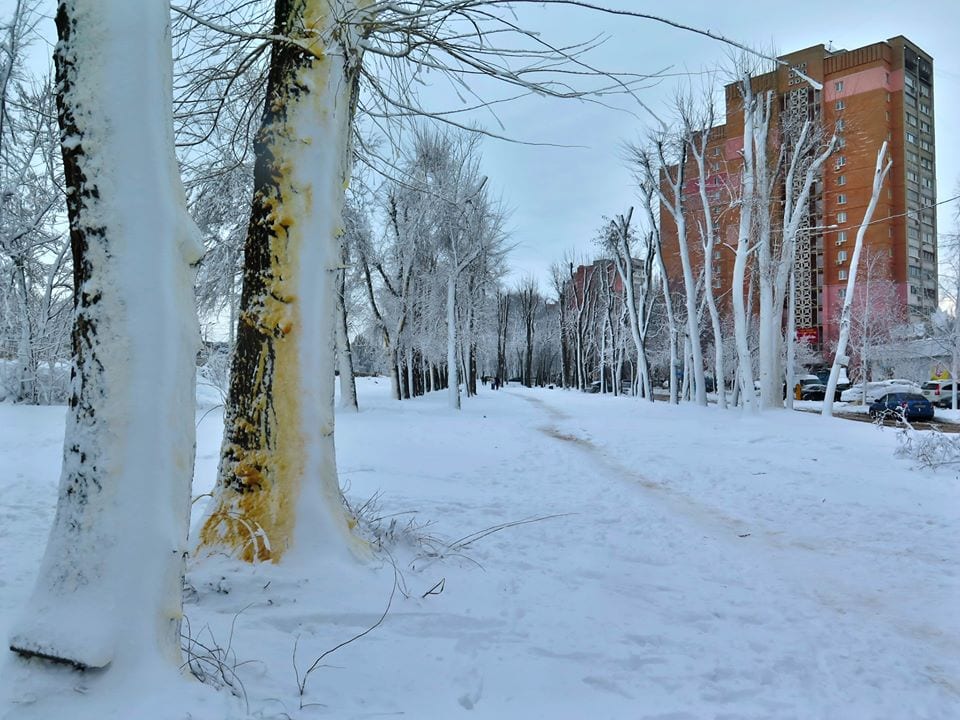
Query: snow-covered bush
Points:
[930, 448]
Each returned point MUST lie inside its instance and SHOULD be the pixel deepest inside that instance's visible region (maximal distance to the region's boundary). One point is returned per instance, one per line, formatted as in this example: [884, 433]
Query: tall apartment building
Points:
[879, 92]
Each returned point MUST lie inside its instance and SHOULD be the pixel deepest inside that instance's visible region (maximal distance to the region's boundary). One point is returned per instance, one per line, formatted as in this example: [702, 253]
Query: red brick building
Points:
[879, 92]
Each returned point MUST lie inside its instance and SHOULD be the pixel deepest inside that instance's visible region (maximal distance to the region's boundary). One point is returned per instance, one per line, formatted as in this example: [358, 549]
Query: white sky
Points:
[558, 196]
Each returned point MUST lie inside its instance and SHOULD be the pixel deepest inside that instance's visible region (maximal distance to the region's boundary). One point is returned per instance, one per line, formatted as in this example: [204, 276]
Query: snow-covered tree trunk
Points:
[646, 197]
[747, 185]
[674, 202]
[881, 170]
[765, 173]
[955, 325]
[559, 287]
[110, 584]
[453, 373]
[636, 318]
[26, 363]
[277, 484]
[864, 345]
[698, 145]
[795, 212]
[348, 383]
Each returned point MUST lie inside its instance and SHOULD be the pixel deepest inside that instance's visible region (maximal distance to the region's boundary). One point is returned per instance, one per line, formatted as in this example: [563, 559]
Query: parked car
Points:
[875, 389]
[913, 406]
[903, 382]
[843, 382]
[939, 392]
[817, 391]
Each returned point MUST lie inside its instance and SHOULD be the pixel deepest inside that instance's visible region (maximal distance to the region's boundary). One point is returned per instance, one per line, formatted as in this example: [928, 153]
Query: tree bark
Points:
[110, 583]
[277, 483]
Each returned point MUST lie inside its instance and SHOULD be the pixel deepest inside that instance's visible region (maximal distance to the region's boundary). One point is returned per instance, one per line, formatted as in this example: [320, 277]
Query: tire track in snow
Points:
[705, 516]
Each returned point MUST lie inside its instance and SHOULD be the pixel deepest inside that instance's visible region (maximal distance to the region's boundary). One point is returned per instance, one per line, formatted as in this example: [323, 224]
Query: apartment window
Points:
[925, 145]
[888, 97]
[924, 108]
[841, 237]
[911, 119]
[927, 182]
[842, 292]
[841, 142]
[842, 275]
[914, 271]
[841, 161]
[842, 216]
[913, 195]
[929, 256]
[911, 138]
[838, 86]
[841, 179]
[842, 256]
[841, 124]
[925, 163]
[924, 126]
[715, 152]
[714, 167]
[912, 176]
[841, 199]
[840, 105]
[914, 290]
[924, 91]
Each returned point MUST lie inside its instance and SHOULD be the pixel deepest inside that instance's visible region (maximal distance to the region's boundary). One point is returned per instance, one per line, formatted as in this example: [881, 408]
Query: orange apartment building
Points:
[882, 91]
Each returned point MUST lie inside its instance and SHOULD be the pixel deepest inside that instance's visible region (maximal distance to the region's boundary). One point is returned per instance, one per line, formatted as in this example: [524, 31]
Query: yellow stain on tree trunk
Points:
[255, 521]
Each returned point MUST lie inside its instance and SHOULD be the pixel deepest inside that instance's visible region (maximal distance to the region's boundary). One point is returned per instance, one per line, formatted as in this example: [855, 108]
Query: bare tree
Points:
[528, 303]
[840, 359]
[876, 312]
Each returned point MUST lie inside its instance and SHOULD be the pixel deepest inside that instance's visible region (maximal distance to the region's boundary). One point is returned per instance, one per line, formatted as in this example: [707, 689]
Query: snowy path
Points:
[700, 565]
[792, 614]
[672, 611]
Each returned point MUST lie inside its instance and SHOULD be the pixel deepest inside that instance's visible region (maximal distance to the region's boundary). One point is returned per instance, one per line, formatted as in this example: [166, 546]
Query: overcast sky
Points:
[559, 195]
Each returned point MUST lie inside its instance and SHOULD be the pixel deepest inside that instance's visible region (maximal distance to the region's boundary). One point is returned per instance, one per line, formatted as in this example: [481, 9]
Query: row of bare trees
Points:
[754, 207]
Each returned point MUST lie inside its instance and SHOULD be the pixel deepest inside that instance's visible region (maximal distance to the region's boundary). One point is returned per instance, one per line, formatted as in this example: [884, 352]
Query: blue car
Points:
[912, 406]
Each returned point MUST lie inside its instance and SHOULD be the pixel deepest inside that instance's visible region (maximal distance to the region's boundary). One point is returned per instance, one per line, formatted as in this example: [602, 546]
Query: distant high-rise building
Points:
[880, 92]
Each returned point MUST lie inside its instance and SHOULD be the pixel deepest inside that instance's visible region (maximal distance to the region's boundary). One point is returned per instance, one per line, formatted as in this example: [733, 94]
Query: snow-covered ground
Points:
[691, 563]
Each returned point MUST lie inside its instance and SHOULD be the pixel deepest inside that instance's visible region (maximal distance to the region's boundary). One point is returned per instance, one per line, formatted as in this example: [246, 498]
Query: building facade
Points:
[876, 93]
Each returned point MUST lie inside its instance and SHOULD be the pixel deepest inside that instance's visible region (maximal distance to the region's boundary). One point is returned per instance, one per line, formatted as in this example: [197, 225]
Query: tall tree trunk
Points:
[111, 580]
[277, 483]
[453, 377]
[348, 383]
[26, 365]
[740, 310]
[410, 389]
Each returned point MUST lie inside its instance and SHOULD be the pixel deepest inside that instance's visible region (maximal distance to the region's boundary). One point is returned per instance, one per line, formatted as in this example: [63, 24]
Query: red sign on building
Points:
[808, 334]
